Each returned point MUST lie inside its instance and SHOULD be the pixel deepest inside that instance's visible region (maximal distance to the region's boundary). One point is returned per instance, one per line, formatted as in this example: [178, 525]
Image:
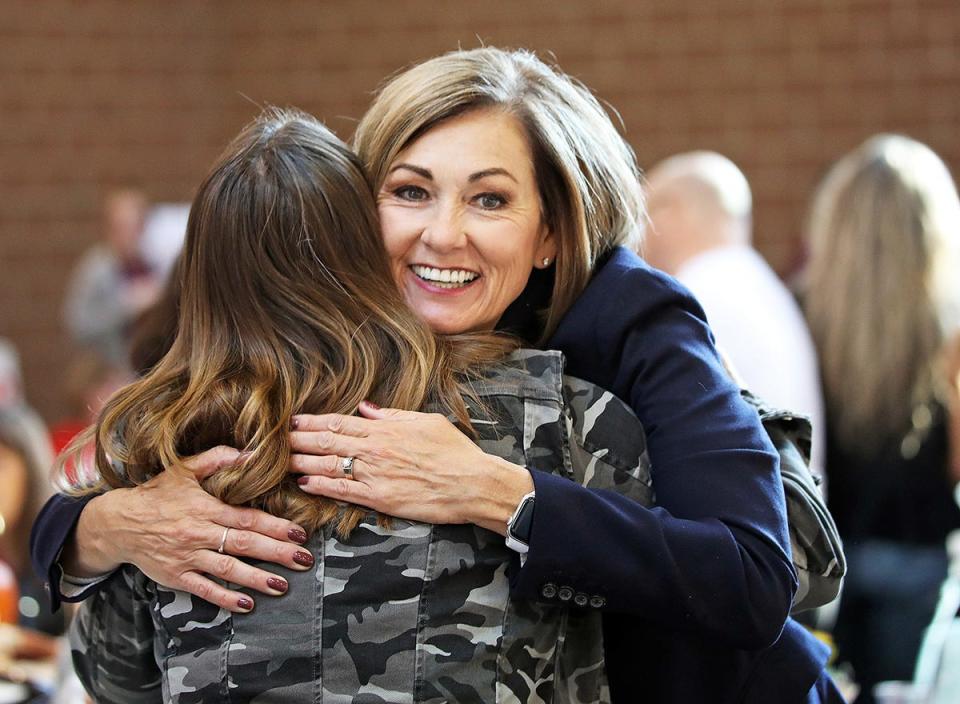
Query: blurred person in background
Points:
[882, 301]
[25, 461]
[11, 377]
[114, 282]
[91, 379]
[26, 458]
[29, 667]
[155, 329]
[700, 208]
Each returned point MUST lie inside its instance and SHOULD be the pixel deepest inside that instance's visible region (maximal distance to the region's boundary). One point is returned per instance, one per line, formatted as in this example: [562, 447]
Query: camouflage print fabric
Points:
[815, 541]
[412, 613]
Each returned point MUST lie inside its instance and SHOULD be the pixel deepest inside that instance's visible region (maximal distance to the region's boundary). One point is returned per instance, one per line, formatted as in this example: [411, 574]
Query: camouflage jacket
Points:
[816, 548]
[410, 613]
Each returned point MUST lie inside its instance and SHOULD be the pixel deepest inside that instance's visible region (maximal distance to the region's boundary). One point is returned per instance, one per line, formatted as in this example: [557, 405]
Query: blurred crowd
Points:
[109, 298]
[865, 340]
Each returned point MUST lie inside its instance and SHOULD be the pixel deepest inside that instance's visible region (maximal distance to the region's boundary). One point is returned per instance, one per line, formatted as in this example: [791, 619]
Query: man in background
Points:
[700, 209]
[113, 282]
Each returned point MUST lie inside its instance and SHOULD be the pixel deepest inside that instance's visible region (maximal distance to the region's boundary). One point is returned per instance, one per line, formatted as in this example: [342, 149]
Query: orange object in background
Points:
[9, 594]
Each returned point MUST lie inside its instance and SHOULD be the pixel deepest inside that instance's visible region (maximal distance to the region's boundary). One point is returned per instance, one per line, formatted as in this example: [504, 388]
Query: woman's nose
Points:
[444, 231]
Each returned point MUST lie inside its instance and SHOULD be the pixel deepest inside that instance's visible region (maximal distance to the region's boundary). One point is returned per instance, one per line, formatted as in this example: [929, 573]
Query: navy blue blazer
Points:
[698, 587]
[695, 590]
[713, 556]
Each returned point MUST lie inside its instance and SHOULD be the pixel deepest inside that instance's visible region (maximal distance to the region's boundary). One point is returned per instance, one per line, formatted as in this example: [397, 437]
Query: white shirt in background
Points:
[759, 326]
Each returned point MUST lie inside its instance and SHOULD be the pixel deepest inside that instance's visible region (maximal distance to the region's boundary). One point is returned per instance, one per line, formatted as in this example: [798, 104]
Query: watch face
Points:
[522, 523]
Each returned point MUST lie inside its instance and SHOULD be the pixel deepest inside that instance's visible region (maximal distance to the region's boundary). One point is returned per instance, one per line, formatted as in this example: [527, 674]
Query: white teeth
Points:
[444, 278]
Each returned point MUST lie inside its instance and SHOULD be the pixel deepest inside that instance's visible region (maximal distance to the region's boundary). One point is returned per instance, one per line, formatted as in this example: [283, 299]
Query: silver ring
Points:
[346, 464]
[223, 540]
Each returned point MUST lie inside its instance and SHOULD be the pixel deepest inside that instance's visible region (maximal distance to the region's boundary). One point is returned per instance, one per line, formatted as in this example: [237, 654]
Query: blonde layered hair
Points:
[881, 291]
[288, 305]
[586, 173]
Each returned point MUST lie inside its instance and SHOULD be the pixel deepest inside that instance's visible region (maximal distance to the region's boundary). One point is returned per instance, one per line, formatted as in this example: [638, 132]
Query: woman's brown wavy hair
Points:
[287, 306]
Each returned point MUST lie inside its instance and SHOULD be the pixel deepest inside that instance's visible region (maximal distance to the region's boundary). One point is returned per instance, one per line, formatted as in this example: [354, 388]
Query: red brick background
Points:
[101, 93]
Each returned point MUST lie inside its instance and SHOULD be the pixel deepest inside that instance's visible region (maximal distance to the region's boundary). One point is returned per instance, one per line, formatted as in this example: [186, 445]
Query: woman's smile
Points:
[442, 280]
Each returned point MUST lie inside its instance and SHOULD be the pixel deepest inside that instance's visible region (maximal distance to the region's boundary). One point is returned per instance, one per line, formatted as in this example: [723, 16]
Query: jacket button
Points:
[548, 590]
[565, 594]
[581, 599]
[597, 601]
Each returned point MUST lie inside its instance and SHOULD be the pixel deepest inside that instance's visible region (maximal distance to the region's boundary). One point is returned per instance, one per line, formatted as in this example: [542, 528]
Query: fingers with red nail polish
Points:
[278, 585]
[303, 558]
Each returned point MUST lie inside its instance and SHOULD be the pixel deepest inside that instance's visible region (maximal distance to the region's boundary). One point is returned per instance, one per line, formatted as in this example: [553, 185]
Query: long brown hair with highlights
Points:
[287, 306]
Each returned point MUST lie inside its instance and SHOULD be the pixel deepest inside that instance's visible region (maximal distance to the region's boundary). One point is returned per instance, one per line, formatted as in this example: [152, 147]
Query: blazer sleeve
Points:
[51, 530]
[714, 555]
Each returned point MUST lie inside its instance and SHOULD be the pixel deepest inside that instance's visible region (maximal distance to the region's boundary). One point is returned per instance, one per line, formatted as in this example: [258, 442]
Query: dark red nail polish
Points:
[294, 422]
[296, 534]
[372, 405]
[245, 603]
[303, 558]
[301, 481]
[277, 584]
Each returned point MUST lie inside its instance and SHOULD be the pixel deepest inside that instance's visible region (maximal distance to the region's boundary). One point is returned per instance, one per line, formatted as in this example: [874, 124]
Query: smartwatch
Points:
[520, 525]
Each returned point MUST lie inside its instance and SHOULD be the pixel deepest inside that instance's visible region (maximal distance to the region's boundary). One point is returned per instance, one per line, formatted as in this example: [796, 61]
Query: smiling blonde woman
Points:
[705, 576]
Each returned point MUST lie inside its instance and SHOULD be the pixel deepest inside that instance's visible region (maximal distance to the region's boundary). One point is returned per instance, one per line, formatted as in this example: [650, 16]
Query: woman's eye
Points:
[490, 201]
[411, 193]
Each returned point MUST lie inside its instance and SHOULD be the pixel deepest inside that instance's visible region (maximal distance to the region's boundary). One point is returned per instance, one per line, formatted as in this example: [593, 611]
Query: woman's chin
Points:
[445, 322]
[446, 326]
[443, 314]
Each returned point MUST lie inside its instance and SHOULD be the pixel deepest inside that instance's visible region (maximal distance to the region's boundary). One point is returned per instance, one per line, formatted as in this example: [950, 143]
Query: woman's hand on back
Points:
[171, 529]
[416, 466]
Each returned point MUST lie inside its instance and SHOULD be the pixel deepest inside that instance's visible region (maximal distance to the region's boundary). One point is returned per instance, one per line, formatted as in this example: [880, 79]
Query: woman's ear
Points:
[546, 252]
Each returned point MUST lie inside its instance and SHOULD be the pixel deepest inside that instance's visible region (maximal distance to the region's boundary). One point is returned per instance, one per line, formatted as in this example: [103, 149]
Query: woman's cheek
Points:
[397, 267]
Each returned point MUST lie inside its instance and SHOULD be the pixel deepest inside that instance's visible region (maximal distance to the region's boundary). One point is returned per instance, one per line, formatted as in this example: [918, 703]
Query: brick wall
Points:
[100, 93]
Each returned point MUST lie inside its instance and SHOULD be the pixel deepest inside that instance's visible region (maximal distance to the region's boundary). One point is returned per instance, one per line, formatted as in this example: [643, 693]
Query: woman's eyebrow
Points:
[496, 171]
[419, 170]
[476, 176]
